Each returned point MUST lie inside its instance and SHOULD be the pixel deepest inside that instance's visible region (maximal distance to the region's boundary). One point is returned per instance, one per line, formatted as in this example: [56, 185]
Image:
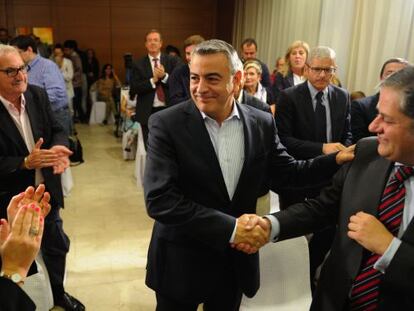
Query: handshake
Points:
[252, 232]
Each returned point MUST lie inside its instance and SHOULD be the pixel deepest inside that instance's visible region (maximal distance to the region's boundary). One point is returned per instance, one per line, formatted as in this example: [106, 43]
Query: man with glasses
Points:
[313, 118]
[33, 150]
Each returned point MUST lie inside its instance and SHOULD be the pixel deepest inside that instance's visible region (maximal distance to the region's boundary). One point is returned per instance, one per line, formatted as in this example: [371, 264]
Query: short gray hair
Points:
[403, 82]
[216, 46]
[7, 49]
[321, 52]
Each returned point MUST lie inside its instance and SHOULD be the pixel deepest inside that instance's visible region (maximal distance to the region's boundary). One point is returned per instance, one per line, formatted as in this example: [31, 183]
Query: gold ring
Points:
[33, 232]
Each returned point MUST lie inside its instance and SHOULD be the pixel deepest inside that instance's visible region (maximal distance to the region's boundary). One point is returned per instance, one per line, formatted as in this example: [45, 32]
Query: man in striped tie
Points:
[371, 264]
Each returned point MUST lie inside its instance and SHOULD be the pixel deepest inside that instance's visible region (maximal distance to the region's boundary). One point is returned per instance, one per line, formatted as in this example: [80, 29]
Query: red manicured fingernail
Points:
[41, 219]
[37, 209]
[32, 205]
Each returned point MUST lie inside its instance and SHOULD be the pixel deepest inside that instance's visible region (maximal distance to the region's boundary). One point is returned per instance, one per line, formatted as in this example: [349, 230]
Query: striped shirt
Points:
[228, 143]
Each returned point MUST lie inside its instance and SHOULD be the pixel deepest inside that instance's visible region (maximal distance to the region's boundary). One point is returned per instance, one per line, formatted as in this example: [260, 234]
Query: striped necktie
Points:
[365, 288]
[158, 87]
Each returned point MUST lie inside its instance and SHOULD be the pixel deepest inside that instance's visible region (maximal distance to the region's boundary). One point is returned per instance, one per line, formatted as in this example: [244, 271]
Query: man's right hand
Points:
[329, 148]
[39, 158]
[252, 232]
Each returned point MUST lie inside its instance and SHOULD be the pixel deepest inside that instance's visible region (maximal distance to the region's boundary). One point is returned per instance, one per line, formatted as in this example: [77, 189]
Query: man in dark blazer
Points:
[208, 161]
[179, 81]
[149, 80]
[360, 192]
[249, 52]
[33, 150]
[364, 110]
[300, 129]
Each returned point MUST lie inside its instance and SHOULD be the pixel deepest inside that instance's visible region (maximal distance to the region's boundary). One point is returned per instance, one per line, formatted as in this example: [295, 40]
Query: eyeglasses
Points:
[327, 71]
[13, 72]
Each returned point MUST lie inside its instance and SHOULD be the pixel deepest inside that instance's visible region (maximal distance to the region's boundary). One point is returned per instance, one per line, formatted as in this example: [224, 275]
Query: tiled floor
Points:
[109, 229]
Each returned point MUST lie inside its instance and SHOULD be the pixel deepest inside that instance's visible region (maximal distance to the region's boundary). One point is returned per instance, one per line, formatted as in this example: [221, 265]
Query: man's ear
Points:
[237, 77]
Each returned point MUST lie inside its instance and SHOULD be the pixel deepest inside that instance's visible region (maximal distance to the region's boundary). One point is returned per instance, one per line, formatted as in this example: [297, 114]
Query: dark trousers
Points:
[55, 246]
[226, 296]
[77, 104]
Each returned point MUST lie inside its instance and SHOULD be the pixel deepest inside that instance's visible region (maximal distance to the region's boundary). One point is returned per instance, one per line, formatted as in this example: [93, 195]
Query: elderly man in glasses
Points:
[313, 118]
[33, 150]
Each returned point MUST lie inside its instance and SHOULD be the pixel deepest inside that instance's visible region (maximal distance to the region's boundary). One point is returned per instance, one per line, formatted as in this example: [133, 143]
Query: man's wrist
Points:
[13, 275]
[26, 163]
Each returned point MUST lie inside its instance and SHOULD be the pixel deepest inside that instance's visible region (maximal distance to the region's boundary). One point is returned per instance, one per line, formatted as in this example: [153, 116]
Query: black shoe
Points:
[70, 303]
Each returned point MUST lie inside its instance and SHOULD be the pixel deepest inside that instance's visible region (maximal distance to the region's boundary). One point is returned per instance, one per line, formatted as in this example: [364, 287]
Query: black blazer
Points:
[13, 150]
[254, 102]
[186, 195]
[295, 120]
[363, 111]
[179, 84]
[281, 82]
[358, 186]
[13, 298]
[140, 84]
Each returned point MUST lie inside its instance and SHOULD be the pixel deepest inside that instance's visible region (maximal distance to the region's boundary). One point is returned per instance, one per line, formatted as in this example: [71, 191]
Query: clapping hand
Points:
[38, 197]
[20, 243]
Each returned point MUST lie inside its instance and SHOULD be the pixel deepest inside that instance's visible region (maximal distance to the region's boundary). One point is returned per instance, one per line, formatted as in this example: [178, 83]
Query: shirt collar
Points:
[9, 105]
[314, 91]
[157, 57]
[35, 60]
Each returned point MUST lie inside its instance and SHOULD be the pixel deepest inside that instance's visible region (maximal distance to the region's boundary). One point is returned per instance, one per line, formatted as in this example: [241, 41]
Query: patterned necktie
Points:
[365, 289]
[320, 119]
[158, 87]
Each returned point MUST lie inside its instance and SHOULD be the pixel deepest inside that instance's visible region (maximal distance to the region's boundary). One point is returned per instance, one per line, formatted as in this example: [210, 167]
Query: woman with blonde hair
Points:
[252, 84]
[295, 60]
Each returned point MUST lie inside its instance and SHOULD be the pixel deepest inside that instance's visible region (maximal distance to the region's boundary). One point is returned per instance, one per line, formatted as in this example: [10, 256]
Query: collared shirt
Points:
[22, 122]
[298, 79]
[325, 103]
[157, 102]
[261, 93]
[228, 143]
[408, 214]
[46, 74]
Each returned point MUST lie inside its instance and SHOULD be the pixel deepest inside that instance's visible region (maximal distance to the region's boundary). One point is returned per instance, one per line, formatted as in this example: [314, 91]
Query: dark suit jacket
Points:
[295, 120]
[13, 150]
[254, 102]
[179, 84]
[13, 298]
[140, 84]
[186, 195]
[363, 111]
[281, 82]
[358, 186]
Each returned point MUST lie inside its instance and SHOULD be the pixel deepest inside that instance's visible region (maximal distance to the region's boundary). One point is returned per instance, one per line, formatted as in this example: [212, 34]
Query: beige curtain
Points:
[364, 33]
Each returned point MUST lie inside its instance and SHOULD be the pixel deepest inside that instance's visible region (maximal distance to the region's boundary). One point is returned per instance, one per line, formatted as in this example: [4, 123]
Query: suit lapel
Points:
[34, 117]
[382, 168]
[306, 108]
[290, 79]
[10, 129]
[250, 135]
[332, 101]
[148, 66]
[201, 141]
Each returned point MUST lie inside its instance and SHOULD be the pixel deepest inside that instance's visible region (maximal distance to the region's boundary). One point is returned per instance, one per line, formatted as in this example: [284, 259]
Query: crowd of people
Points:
[245, 132]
